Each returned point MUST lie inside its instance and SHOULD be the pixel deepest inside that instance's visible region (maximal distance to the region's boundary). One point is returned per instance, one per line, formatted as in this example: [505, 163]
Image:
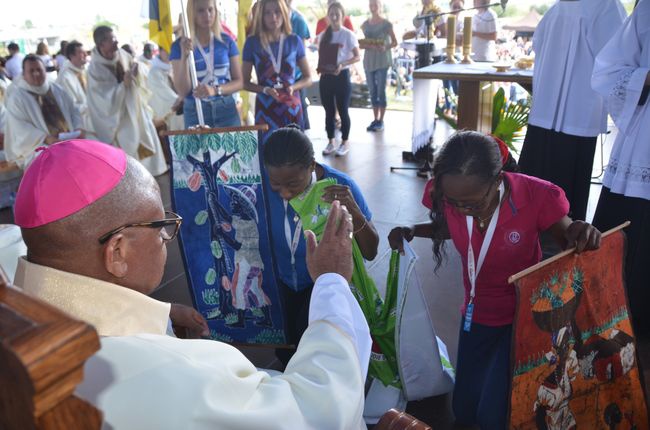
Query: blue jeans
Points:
[377, 86]
[217, 112]
[483, 376]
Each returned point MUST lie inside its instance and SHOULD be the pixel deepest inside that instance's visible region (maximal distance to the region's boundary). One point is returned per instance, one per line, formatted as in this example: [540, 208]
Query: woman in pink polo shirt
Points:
[474, 199]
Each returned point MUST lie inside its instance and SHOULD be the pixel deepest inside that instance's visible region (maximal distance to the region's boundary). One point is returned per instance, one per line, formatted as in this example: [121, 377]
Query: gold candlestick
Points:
[467, 40]
[451, 39]
[451, 51]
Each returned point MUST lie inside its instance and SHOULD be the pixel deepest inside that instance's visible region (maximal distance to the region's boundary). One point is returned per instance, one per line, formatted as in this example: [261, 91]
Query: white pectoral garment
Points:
[566, 42]
[142, 379]
[25, 128]
[619, 75]
[163, 95]
[112, 309]
[119, 114]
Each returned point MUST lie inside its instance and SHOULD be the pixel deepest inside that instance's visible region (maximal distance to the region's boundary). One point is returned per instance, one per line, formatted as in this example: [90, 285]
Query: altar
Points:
[474, 96]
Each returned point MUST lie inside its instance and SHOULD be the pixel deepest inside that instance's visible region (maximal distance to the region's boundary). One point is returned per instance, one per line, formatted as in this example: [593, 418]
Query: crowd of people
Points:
[167, 99]
[98, 125]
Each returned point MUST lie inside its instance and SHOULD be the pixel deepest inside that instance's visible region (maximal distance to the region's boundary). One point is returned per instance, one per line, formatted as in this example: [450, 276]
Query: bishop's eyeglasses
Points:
[168, 227]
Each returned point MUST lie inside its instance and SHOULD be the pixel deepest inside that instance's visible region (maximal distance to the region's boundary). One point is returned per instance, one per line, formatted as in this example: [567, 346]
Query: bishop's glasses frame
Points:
[171, 219]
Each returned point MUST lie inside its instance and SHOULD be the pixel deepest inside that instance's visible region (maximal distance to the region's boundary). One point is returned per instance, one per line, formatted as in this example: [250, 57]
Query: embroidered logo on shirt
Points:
[514, 237]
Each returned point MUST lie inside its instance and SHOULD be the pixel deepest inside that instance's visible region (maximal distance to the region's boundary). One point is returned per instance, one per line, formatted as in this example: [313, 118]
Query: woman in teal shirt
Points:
[379, 40]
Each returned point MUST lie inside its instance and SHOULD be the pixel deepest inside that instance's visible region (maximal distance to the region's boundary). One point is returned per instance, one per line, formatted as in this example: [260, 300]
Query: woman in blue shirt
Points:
[216, 59]
[276, 53]
[289, 161]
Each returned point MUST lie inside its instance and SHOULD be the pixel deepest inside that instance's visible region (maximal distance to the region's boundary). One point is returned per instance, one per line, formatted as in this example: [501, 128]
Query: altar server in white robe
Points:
[484, 32]
[567, 115]
[119, 114]
[163, 100]
[38, 113]
[72, 78]
[622, 76]
[76, 207]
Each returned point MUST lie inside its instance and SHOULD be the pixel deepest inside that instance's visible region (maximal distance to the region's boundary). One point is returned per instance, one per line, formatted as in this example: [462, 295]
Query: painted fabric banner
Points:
[217, 189]
[574, 353]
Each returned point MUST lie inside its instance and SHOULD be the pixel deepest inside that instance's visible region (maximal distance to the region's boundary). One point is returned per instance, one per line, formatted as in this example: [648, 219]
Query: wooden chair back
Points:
[42, 354]
[398, 420]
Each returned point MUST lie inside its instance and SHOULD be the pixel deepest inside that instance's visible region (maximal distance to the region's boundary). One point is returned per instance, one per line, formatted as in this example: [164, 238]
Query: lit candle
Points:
[451, 31]
[467, 31]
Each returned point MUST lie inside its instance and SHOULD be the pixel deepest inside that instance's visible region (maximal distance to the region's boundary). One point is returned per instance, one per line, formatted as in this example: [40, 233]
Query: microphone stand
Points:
[436, 15]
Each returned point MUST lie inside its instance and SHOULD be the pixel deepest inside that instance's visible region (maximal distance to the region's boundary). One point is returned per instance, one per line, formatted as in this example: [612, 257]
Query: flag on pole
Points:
[160, 23]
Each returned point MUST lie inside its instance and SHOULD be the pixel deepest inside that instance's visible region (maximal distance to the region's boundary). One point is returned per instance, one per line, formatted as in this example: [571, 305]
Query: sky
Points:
[45, 12]
[76, 18]
[81, 14]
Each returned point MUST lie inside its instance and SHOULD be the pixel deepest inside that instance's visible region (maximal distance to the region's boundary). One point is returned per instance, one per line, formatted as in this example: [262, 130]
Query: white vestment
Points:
[3, 116]
[142, 379]
[163, 95]
[144, 67]
[14, 66]
[566, 42]
[118, 113]
[3, 112]
[69, 80]
[619, 75]
[25, 128]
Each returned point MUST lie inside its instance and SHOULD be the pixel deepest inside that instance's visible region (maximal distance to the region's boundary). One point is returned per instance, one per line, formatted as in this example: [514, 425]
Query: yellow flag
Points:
[160, 23]
[242, 19]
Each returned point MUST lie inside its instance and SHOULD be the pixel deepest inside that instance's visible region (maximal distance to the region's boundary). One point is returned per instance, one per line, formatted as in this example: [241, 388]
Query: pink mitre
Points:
[65, 178]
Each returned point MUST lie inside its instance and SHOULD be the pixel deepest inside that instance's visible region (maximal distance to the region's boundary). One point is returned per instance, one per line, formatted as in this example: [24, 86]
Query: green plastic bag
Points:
[380, 314]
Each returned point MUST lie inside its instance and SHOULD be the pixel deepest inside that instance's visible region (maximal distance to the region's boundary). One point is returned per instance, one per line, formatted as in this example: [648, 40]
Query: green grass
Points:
[400, 103]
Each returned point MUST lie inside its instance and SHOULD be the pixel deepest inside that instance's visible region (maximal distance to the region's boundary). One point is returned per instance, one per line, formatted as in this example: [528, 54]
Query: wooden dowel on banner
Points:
[192, 66]
[202, 130]
[556, 257]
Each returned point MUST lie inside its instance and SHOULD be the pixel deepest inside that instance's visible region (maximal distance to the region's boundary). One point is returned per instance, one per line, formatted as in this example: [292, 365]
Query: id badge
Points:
[469, 311]
[278, 85]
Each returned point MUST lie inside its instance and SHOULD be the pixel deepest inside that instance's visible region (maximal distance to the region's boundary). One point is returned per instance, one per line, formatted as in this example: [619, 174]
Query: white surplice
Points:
[163, 95]
[118, 113]
[142, 379]
[619, 74]
[69, 80]
[566, 42]
[25, 128]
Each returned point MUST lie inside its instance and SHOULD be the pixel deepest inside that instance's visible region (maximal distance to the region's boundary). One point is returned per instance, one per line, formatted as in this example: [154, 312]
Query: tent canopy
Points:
[527, 24]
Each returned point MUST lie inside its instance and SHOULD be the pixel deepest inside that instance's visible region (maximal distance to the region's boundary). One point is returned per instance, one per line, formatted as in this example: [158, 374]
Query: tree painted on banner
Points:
[234, 149]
